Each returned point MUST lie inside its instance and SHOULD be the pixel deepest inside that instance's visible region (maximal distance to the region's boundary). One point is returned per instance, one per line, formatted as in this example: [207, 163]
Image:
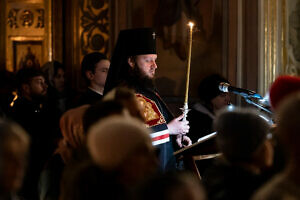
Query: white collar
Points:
[95, 91]
[199, 107]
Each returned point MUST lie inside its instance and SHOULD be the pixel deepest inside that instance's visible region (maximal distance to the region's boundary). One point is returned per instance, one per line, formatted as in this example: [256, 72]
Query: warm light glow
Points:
[191, 24]
[15, 98]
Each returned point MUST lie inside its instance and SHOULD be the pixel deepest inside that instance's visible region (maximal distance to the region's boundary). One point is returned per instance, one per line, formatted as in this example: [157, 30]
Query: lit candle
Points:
[191, 24]
[185, 108]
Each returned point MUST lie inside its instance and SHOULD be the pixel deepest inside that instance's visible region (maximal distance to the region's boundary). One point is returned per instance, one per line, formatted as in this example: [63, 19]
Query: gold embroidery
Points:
[148, 111]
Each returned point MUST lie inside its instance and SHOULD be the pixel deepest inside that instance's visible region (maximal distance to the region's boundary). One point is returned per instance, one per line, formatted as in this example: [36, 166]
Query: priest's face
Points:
[146, 64]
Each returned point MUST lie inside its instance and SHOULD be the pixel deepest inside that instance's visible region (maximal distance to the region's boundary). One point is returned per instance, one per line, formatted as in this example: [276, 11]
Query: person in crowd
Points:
[242, 138]
[286, 184]
[203, 112]
[134, 65]
[87, 181]
[172, 186]
[128, 99]
[71, 150]
[94, 68]
[32, 111]
[59, 93]
[119, 101]
[14, 147]
[282, 87]
[122, 146]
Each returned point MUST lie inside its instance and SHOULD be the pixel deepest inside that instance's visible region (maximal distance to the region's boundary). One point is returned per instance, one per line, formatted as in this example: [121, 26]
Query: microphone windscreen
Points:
[223, 87]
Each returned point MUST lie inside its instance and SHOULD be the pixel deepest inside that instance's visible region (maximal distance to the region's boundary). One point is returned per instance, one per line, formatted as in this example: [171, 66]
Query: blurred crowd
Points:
[57, 143]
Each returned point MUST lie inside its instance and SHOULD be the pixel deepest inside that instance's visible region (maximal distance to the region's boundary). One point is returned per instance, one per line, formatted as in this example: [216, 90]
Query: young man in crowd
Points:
[94, 68]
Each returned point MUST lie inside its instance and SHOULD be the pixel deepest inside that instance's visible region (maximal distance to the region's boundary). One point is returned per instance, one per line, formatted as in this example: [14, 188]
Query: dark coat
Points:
[49, 184]
[41, 123]
[200, 121]
[223, 181]
[88, 97]
[62, 101]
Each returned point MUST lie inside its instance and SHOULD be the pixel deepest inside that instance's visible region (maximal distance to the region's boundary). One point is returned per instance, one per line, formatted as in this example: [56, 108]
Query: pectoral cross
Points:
[153, 34]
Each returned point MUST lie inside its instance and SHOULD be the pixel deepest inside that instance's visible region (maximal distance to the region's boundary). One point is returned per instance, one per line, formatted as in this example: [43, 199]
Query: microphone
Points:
[225, 87]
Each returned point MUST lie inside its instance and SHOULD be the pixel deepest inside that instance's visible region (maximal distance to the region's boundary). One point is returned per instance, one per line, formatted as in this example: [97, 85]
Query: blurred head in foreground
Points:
[123, 145]
[242, 138]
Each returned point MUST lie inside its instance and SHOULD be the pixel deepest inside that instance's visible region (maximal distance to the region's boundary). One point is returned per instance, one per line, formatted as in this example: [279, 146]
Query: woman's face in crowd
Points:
[59, 80]
[220, 101]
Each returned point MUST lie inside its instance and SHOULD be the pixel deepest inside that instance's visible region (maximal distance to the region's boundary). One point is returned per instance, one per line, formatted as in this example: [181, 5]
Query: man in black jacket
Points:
[32, 111]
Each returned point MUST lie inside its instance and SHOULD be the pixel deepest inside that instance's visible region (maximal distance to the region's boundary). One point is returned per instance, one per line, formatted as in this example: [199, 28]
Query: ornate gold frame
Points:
[48, 30]
[43, 35]
[10, 49]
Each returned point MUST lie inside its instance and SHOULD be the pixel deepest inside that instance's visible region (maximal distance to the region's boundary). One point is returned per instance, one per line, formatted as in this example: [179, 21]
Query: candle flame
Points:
[191, 24]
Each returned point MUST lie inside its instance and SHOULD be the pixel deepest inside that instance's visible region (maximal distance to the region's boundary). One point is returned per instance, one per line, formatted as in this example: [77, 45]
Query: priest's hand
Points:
[178, 126]
[183, 141]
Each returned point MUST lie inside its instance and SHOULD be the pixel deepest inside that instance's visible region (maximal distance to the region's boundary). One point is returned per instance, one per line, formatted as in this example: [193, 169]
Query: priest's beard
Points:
[137, 77]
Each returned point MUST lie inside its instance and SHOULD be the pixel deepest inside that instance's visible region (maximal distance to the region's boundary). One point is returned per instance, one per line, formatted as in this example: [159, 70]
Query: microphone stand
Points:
[248, 100]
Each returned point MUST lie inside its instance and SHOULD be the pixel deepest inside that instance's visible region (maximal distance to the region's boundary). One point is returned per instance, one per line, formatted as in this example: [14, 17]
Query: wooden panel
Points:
[119, 17]
[71, 54]
[2, 34]
[250, 61]
[242, 43]
[57, 30]
[26, 1]
[94, 26]
[86, 30]
[232, 40]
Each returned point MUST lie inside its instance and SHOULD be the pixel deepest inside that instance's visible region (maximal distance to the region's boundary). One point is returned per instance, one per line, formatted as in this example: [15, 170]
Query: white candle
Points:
[191, 25]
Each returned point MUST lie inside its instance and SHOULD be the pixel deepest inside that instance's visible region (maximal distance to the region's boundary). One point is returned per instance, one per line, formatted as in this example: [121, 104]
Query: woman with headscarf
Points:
[74, 125]
[60, 94]
[203, 112]
[70, 149]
